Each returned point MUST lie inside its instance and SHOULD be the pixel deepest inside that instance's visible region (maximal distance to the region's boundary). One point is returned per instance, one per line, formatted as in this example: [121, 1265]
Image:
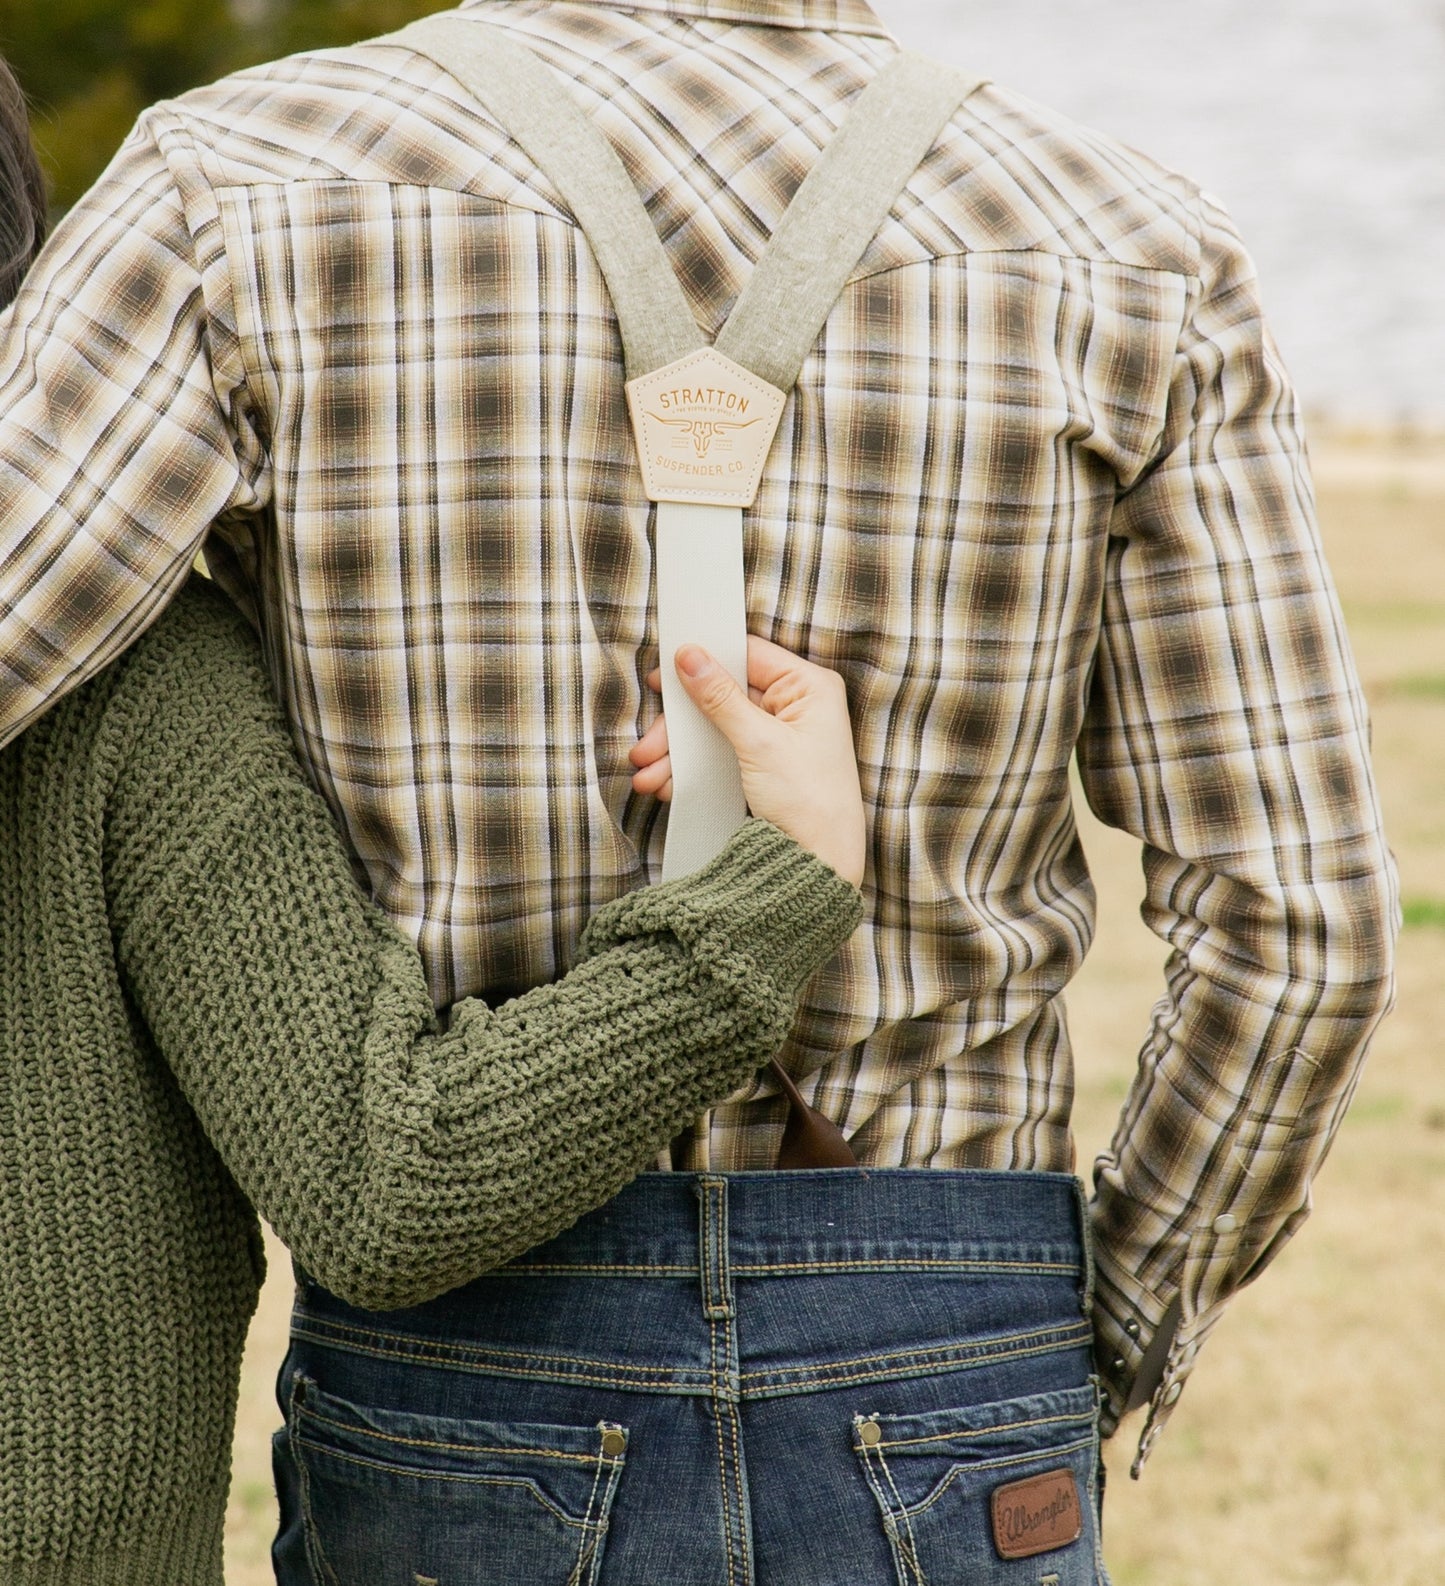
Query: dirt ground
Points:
[1308, 1447]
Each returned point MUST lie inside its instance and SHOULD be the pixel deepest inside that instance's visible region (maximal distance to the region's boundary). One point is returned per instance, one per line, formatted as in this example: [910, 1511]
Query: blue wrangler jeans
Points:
[826, 1378]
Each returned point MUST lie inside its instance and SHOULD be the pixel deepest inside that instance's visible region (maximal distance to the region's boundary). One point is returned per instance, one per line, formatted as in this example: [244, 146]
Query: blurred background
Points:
[1320, 123]
[1308, 1448]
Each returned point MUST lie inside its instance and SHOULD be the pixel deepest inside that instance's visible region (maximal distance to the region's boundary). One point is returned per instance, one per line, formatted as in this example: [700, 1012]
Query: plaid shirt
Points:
[1039, 493]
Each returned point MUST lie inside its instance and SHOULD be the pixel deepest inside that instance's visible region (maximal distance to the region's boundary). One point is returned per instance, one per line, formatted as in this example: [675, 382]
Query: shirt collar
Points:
[833, 16]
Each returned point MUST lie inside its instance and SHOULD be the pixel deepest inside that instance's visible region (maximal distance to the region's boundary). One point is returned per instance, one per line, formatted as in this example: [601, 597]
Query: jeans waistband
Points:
[829, 1217]
[781, 1224]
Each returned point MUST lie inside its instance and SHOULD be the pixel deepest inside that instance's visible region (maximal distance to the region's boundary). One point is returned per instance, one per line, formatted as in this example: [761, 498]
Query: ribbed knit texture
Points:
[186, 968]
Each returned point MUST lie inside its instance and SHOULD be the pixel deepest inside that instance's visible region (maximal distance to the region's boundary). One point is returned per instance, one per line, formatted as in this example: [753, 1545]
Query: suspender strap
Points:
[531, 104]
[836, 213]
[701, 599]
[833, 217]
[822, 235]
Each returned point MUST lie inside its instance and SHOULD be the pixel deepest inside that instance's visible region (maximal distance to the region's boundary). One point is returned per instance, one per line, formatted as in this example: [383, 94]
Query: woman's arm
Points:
[396, 1161]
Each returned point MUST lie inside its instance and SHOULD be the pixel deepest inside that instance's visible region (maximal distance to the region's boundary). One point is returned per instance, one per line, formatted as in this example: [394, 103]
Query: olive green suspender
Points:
[705, 416]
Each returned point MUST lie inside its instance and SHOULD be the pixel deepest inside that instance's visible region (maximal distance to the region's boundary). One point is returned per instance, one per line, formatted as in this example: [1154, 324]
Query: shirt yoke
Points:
[1008, 175]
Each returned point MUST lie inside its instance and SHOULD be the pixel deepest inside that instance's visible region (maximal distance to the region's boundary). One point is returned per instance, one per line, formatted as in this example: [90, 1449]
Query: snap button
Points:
[1118, 1363]
[613, 1442]
[1172, 1392]
[1226, 1224]
[1132, 1328]
[870, 1433]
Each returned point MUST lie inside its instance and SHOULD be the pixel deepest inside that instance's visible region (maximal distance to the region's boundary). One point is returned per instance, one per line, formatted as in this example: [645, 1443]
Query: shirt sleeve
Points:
[123, 422]
[1227, 731]
[397, 1160]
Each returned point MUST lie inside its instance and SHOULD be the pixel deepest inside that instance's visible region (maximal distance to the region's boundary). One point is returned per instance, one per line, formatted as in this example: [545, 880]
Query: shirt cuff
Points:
[1146, 1343]
[1128, 1318]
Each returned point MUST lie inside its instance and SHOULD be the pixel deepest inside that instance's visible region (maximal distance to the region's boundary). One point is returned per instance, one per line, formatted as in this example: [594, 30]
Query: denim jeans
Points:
[835, 1378]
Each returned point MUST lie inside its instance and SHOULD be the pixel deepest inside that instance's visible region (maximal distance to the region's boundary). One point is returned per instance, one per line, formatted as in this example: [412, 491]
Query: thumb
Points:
[715, 692]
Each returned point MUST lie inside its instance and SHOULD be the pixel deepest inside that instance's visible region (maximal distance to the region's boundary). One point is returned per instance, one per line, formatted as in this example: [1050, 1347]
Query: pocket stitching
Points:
[1033, 1456]
[574, 1576]
[907, 1557]
[456, 1477]
[983, 1431]
[599, 1527]
[594, 1519]
[451, 1448]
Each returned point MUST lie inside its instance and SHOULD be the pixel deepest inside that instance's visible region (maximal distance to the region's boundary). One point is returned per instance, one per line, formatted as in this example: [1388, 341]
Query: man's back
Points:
[1039, 488]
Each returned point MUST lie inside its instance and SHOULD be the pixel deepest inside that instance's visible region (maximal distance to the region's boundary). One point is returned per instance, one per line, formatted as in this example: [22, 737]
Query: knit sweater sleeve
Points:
[395, 1160]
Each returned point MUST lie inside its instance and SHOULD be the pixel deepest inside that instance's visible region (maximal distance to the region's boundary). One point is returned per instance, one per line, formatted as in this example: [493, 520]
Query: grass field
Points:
[1308, 1448]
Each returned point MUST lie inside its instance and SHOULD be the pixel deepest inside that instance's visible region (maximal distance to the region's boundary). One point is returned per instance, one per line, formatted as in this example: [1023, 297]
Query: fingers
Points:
[650, 753]
[795, 753]
[655, 779]
[651, 745]
[755, 689]
[791, 687]
[790, 731]
[654, 767]
[769, 663]
[713, 690]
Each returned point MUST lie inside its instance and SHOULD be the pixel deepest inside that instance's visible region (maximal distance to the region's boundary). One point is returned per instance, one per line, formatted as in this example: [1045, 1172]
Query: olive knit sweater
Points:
[199, 1014]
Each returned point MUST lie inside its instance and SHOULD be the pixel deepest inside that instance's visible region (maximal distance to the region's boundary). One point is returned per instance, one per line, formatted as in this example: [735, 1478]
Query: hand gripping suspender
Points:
[704, 416]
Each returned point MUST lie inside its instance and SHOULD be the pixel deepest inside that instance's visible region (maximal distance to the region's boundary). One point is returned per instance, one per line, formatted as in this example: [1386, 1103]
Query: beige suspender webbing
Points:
[705, 417]
[702, 460]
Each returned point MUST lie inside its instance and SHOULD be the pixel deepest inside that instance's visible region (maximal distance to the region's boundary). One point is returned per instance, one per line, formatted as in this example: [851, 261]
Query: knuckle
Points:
[716, 690]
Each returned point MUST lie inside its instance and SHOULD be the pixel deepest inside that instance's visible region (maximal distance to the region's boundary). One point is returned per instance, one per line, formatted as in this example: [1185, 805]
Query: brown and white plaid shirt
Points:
[1040, 492]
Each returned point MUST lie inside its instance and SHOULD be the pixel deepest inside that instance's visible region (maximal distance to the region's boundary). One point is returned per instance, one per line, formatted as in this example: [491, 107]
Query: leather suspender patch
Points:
[704, 428]
[1037, 1515]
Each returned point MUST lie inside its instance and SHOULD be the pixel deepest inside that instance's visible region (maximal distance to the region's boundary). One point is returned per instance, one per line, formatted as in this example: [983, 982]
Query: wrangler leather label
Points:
[704, 426]
[1037, 1515]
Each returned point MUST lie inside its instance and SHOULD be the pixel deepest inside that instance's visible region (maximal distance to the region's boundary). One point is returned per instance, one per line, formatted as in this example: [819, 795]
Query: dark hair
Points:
[22, 189]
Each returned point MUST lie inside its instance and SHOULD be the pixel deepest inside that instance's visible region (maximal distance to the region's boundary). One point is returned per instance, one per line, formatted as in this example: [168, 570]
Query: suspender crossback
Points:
[704, 417]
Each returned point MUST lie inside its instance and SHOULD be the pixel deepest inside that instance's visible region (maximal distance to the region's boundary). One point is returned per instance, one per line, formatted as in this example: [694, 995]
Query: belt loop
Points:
[715, 1271]
[1086, 1245]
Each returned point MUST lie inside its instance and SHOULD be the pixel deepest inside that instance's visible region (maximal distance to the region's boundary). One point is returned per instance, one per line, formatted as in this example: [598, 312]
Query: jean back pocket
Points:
[389, 1496]
[1000, 1494]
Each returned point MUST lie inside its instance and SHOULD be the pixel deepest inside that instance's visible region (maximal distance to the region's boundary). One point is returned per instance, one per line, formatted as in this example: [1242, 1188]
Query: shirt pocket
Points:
[388, 1495]
[1000, 1494]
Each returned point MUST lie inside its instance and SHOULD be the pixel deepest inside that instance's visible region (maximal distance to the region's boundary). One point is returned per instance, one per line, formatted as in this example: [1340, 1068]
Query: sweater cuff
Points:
[764, 895]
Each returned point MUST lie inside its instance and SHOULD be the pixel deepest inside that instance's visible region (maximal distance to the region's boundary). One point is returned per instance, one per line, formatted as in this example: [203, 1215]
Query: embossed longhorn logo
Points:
[703, 432]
